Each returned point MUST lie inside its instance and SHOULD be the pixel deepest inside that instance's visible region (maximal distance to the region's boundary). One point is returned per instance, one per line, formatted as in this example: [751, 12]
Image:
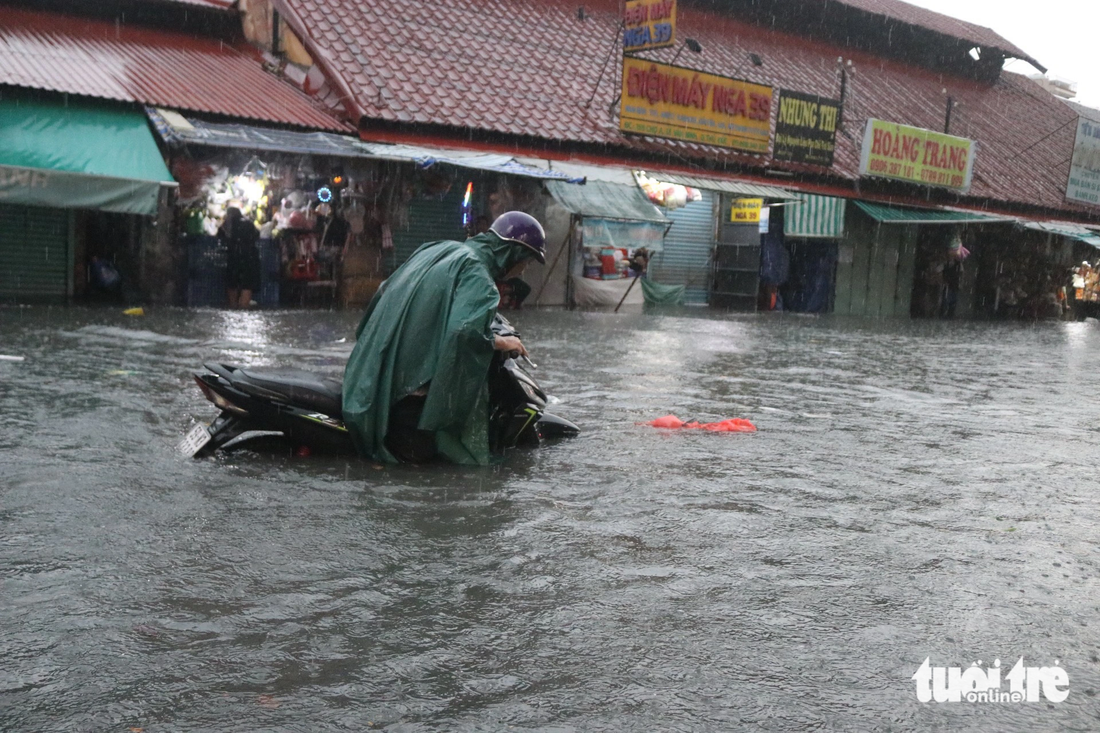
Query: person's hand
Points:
[509, 343]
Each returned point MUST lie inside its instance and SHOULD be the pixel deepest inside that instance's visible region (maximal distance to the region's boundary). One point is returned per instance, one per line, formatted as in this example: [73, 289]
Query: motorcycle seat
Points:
[296, 386]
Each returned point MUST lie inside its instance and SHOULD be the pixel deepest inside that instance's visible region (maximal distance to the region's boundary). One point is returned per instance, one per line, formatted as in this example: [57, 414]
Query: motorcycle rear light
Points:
[208, 393]
[220, 402]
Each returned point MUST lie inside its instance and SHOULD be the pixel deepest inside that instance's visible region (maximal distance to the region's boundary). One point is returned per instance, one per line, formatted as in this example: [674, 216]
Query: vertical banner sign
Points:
[682, 104]
[1084, 170]
[649, 24]
[746, 211]
[805, 129]
[916, 155]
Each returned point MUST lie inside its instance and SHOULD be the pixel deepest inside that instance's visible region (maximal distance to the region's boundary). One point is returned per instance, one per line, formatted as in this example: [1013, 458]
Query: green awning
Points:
[79, 156]
[898, 215]
[1065, 229]
[814, 217]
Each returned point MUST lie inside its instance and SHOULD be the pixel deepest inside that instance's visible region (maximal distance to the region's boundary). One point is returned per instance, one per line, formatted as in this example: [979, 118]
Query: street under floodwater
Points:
[916, 490]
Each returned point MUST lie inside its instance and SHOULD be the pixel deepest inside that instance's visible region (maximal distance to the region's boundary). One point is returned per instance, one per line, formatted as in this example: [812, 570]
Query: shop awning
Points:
[614, 215]
[176, 129]
[737, 188]
[815, 217]
[1065, 229]
[585, 171]
[494, 163]
[607, 201]
[79, 155]
[897, 215]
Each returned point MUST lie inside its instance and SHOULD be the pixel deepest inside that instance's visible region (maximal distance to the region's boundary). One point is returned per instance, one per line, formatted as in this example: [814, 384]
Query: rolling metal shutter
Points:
[429, 220]
[35, 257]
[686, 257]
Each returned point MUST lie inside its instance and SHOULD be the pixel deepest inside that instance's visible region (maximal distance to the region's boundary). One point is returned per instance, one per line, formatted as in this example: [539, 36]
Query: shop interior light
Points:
[337, 180]
[324, 194]
[254, 167]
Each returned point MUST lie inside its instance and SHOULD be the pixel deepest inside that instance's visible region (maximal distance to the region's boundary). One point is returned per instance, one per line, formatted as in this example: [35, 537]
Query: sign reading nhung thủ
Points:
[916, 155]
[649, 24]
[805, 128]
[1084, 169]
[682, 104]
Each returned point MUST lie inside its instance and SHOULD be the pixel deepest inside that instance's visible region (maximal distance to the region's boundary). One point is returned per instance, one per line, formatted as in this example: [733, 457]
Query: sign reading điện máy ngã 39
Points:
[683, 104]
[916, 155]
[1084, 170]
[649, 24]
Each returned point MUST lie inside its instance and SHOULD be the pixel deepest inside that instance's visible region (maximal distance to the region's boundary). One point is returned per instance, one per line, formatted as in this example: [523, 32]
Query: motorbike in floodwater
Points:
[302, 411]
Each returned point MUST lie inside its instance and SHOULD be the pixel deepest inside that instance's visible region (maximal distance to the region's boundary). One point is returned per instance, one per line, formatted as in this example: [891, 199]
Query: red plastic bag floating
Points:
[733, 425]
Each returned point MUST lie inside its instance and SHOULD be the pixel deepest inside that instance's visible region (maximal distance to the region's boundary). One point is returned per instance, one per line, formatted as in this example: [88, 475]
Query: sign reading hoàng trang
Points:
[1084, 170]
[649, 24]
[682, 104]
[805, 128]
[916, 155]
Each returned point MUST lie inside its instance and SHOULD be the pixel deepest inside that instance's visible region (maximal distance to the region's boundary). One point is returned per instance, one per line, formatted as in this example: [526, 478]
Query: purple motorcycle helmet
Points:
[524, 230]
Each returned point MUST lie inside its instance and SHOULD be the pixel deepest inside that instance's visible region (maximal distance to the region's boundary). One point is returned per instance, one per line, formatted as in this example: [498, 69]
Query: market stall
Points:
[614, 230]
[335, 214]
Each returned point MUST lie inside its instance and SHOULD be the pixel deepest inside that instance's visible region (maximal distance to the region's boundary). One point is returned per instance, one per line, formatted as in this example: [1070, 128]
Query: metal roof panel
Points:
[99, 59]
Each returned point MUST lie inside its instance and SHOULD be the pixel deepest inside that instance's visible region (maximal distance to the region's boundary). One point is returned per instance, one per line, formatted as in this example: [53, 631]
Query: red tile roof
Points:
[213, 4]
[938, 22]
[526, 68]
[99, 59]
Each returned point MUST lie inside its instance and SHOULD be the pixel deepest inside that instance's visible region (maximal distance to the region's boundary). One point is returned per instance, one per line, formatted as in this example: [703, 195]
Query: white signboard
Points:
[1084, 171]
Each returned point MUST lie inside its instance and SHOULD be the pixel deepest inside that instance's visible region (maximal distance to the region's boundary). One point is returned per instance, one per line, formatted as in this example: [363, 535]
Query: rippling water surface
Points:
[915, 490]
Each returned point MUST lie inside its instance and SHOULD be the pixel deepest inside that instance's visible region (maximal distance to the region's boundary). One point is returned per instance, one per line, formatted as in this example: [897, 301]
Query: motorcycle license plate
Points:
[195, 441]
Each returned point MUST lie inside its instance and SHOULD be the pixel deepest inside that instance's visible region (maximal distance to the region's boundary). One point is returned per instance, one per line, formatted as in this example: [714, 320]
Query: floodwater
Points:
[915, 490]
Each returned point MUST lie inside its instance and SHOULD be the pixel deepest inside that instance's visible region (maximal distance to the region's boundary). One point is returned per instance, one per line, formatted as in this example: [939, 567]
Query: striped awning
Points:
[814, 217]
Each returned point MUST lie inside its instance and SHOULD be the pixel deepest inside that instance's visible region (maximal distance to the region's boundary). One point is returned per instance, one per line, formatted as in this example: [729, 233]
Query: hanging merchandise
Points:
[668, 195]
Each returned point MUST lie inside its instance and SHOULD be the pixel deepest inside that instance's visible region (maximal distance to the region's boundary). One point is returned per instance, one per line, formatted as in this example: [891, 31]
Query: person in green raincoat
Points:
[415, 386]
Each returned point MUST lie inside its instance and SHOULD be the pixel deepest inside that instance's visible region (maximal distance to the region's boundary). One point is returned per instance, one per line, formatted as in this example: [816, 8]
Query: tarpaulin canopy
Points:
[585, 171]
[1065, 229]
[174, 128]
[78, 156]
[607, 201]
[815, 217]
[614, 215]
[895, 215]
[746, 189]
[496, 164]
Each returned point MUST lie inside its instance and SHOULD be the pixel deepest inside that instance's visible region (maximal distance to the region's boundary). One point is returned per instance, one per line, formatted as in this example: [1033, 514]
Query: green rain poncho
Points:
[430, 322]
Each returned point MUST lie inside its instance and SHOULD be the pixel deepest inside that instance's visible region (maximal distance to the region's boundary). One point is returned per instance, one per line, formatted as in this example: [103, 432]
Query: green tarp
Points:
[895, 215]
[78, 156]
[657, 294]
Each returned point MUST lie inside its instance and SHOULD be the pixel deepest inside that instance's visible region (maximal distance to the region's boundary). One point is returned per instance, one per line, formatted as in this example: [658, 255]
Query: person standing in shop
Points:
[242, 262]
